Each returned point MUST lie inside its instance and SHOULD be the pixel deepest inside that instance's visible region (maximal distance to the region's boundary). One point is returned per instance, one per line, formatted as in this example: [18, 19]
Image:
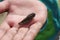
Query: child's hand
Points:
[18, 10]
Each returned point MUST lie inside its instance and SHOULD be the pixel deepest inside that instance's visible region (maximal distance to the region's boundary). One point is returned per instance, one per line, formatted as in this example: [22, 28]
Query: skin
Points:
[18, 10]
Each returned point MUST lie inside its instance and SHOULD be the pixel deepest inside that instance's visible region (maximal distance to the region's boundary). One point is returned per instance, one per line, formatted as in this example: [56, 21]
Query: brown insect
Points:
[27, 19]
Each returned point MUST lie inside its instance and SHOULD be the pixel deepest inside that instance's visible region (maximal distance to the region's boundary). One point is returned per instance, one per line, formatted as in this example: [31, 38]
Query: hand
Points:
[18, 10]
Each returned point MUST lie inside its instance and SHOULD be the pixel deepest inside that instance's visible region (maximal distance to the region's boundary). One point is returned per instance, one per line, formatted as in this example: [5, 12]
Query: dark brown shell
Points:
[27, 19]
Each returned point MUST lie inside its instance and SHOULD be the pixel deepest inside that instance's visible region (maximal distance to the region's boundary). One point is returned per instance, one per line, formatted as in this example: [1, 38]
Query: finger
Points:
[34, 29]
[10, 33]
[4, 6]
[3, 29]
[21, 33]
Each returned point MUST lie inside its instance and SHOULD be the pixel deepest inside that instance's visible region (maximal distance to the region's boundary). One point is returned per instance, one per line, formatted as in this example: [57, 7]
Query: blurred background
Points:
[51, 28]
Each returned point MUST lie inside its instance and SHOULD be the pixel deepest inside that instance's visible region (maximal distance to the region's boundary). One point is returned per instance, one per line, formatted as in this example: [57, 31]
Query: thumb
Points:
[4, 5]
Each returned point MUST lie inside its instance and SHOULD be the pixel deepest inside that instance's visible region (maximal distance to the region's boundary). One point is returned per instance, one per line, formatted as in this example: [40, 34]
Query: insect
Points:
[27, 19]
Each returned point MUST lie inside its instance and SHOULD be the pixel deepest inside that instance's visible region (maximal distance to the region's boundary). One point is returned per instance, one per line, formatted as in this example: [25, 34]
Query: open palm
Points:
[18, 10]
